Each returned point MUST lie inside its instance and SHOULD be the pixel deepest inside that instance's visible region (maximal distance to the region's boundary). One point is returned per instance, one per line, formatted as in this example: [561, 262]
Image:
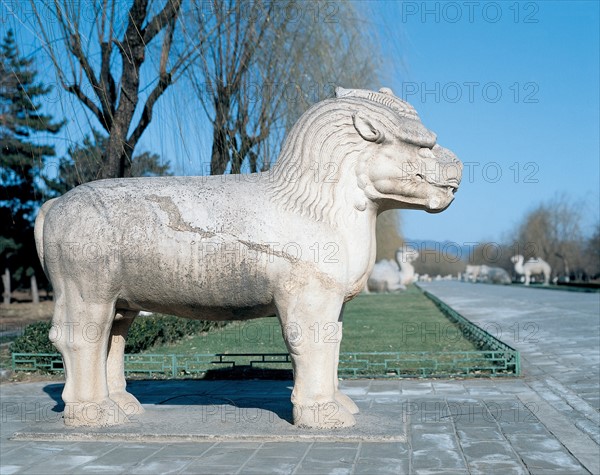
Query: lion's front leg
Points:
[307, 320]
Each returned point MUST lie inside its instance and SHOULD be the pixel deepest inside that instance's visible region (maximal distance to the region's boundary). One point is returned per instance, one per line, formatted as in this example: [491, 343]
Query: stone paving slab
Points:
[205, 410]
[441, 427]
[558, 336]
[544, 423]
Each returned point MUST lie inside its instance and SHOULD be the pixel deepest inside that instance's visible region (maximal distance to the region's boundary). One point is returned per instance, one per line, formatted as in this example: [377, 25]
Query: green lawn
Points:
[407, 321]
[397, 326]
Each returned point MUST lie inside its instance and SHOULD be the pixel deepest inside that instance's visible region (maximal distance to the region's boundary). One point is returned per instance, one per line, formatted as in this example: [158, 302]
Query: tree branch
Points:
[168, 13]
[101, 86]
[91, 105]
[166, 46]
[163, 83]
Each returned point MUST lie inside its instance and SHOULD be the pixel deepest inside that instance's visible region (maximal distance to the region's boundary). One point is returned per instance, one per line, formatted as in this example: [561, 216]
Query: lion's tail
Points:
[38, 231]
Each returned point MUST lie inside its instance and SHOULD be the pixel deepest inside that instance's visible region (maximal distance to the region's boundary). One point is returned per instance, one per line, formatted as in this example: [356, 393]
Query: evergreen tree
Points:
[85, 162]
[21, 158]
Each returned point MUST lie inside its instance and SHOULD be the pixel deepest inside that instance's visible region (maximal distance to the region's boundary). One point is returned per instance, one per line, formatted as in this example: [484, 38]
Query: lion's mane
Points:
[323, 145]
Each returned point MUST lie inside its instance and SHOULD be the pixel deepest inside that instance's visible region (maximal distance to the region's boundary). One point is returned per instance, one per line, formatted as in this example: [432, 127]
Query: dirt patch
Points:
[25, 377]
[18, 315]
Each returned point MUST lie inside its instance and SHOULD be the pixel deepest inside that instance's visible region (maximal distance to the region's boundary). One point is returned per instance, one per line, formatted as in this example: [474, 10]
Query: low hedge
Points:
[34, 339]
[145, 332]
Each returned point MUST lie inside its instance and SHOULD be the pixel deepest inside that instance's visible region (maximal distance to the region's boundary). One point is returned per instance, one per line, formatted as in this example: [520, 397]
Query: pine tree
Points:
[21, 158]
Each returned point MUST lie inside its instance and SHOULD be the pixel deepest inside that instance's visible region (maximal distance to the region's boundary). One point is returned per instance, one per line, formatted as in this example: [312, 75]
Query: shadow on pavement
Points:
[240, 388]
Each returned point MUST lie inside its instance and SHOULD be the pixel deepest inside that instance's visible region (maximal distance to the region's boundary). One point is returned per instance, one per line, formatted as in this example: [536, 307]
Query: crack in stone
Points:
[176, 223]
[265, 248]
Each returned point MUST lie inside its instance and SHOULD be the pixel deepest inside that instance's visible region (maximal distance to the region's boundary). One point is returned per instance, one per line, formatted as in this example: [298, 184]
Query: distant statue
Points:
[533, 266]
[297, 241]
[391, 276]
[385, 277]
[485, 273]
[471, 273]
[493, 275]
[405, 256]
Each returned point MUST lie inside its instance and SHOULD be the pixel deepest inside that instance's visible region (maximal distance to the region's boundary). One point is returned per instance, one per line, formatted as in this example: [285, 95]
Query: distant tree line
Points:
[21, 162]
[551, 230]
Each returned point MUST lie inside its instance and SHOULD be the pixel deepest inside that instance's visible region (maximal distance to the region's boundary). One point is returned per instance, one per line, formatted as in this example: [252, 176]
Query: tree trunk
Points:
[113, 162]
[35, 295]
[117, 157]
[117, 154]
[220, 149]
[6, 283]
[220, 157]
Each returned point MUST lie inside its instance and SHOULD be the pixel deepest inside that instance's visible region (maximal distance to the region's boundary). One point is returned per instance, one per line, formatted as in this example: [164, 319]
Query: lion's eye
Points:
[426, 153]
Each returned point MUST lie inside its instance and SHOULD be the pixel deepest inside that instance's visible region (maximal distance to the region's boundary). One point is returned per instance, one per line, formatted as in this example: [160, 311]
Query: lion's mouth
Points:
[451, 184]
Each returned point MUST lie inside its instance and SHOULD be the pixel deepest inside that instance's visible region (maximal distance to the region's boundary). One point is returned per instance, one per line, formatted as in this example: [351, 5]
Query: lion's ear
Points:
[366, 129]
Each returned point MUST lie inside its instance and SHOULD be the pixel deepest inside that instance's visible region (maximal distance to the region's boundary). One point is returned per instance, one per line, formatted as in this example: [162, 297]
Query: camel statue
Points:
[390, 276]
[534, 266]
[404, 258]
[384, 278]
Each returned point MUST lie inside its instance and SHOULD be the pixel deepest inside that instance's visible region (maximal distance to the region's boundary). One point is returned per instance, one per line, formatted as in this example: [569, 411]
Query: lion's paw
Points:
[128, 403]
[328, 415]
[345, 401]
[94, 414]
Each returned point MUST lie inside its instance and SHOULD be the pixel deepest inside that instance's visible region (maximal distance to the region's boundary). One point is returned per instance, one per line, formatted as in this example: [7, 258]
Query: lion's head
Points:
[366, 149]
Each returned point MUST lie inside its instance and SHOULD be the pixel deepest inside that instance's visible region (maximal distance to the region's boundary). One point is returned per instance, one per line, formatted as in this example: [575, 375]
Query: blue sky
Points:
[513, 89]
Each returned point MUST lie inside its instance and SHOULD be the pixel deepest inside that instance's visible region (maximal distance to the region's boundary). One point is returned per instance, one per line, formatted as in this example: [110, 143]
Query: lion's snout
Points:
[450, 167]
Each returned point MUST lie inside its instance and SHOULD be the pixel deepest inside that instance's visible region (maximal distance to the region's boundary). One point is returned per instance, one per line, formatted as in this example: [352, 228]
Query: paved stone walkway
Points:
[543, 423]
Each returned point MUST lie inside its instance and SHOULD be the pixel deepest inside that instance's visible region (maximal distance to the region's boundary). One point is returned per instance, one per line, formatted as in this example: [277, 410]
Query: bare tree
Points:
[388, 234]
[98, 49]
[592, 254]
[263, 64]
[493, 254]
[434, 261]
[553, 232]
[257, 66]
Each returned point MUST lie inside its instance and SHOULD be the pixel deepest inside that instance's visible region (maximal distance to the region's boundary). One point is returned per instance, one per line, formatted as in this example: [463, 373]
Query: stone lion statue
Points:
[296, 242]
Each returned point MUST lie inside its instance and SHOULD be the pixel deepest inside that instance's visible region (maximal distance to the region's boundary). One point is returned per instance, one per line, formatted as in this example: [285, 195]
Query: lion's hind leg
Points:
[80, 331]
[115, 364]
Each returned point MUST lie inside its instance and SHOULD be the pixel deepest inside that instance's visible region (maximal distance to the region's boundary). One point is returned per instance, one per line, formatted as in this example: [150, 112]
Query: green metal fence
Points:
[352, 365]
[487, 343]
[494, 358]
